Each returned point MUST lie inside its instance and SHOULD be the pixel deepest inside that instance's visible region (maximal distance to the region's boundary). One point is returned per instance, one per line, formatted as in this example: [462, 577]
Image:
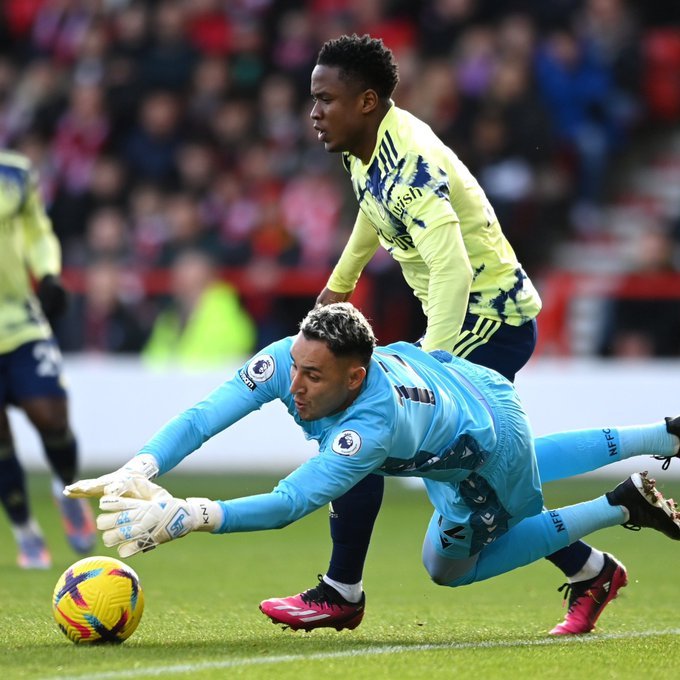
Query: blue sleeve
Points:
[315, 483]
[262, 379]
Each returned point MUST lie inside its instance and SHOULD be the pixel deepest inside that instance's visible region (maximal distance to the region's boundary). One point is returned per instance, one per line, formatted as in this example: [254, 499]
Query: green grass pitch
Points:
[201, 618]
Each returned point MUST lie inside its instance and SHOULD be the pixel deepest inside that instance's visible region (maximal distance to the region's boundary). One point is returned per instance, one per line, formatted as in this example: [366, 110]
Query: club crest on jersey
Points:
[347, 443]
[261, 368]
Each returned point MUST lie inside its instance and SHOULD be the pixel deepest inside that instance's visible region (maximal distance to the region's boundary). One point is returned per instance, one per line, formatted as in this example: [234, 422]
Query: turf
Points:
[201, 618]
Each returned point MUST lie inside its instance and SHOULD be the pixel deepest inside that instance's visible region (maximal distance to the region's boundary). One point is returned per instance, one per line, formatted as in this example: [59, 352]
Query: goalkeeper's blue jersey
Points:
[416, 415]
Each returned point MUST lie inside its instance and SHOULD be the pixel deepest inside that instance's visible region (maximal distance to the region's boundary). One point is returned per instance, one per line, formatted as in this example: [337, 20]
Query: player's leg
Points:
[38, 390]
[635, 503]
[338, 601]
[33, 553]
[506, 349]
[591, 574]
[560, 455]
[565, 454]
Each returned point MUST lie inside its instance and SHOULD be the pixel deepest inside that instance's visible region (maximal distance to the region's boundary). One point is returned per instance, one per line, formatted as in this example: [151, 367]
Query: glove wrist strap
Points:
[208, 514]
[145, 464]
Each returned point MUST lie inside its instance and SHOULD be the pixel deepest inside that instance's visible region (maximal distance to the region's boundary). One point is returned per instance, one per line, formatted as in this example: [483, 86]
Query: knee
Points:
[51, 424]
[449, 573]
[439, 578]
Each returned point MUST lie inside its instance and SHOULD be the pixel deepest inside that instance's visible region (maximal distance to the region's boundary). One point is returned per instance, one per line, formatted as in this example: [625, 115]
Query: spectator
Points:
[168, 61]
[638, 328]
[577, 86]
[204, 323]
[186, 230]
[104, 319]
[151, 147]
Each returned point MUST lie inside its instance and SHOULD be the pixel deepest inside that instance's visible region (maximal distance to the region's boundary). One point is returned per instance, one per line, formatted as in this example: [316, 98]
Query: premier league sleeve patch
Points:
[347, 443]
[261, 368]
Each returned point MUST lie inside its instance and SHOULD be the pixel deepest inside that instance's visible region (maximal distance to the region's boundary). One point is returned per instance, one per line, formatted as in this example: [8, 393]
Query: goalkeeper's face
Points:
[321, 383]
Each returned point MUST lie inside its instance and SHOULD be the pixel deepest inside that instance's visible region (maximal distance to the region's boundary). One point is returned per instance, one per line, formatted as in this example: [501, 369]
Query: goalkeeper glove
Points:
[130, 480]
[53, 297]
[136, 525]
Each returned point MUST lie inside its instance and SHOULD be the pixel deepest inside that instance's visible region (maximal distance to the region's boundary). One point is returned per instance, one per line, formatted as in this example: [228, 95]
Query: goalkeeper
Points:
[395, 411]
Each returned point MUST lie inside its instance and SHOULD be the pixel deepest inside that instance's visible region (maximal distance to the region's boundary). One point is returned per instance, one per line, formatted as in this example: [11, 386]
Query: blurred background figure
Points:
[107, 317]
[642, 328]
[31, 371]
[203, 323]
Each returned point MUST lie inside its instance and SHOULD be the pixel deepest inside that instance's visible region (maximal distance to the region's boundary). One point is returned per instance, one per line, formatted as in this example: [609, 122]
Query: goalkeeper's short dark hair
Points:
[363, 60]
[343, 328]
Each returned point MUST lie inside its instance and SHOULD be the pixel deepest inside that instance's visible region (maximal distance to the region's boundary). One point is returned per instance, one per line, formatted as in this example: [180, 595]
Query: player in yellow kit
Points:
[30, 362]
[419, 201]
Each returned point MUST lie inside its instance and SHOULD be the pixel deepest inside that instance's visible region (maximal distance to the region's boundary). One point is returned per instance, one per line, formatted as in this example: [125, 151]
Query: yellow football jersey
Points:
[28, 248]
[419, 202]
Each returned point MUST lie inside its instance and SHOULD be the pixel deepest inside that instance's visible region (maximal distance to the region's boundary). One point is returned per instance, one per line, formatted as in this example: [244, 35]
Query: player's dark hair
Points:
[363, 60]
[343, 328]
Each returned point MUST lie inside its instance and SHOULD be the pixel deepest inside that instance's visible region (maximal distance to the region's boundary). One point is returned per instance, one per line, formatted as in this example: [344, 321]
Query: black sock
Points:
[13, 494]
[572, 558]
[62, 453]
[351, 520]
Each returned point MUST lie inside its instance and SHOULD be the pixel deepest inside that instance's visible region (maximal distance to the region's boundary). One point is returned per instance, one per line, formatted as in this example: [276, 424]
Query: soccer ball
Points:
[98, 599]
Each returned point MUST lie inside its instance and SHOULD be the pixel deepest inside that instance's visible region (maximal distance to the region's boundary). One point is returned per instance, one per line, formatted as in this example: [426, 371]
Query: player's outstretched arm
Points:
[132, 479]
[134, 525]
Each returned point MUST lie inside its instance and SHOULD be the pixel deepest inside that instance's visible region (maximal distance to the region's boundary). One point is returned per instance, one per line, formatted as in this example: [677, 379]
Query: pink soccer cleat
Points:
[78, 521]
[587, 599]
[318, 607]
[33, 553]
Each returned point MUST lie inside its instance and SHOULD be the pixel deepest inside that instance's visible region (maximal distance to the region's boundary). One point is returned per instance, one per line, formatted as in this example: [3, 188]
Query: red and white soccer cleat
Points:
[318, 607]
[587, 599]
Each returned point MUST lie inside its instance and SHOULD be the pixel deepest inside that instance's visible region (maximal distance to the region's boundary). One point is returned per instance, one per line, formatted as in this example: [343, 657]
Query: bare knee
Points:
[48, 415]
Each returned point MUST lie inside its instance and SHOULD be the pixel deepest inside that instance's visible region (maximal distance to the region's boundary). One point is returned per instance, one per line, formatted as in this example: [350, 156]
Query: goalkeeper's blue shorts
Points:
[472, 513]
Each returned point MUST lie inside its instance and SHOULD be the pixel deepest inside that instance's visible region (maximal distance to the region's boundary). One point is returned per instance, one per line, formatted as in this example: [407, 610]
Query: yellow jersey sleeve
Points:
[43, 251]
[360, 248]
[450, 278]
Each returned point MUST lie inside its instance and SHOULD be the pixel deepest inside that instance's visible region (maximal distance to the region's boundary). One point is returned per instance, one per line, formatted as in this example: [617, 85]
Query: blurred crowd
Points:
[174, 127]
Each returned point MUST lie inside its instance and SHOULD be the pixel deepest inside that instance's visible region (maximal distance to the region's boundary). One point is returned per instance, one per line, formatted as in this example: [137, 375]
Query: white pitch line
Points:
[368, 651]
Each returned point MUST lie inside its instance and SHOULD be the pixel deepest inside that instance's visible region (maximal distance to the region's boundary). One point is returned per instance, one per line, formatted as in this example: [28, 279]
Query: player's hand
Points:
[53, 297]
[328, 296]
[132, 480]
[134, 525]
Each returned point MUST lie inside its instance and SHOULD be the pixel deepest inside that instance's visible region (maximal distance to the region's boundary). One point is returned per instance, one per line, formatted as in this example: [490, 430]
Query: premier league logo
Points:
[347, 443]
[261, 368]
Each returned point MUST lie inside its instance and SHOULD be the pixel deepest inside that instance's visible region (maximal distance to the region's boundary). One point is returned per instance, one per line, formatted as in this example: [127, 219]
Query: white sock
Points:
[591, 568]
[57, 488]
[26, 530]
[350, 591]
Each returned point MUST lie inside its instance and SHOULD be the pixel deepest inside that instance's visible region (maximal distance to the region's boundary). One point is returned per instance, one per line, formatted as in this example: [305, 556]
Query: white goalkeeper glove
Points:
[130, 480]
[137, 525]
